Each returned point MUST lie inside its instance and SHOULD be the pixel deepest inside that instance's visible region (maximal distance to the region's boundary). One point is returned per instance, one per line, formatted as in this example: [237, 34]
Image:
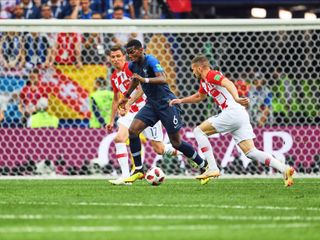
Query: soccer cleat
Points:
[288, 179]
[137, 174]
[204, 181]
[119, 181]
[208, 174]
[192, 163]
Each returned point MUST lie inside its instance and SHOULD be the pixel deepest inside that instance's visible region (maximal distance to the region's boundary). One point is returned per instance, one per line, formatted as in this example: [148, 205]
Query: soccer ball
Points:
[155, 176]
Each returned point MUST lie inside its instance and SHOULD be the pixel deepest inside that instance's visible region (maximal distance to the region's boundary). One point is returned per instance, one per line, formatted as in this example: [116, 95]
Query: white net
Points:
[50, 72]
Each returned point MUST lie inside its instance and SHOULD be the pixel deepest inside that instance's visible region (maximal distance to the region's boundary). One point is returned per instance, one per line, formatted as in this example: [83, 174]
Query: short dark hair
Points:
[201, 59]
[134, 43]
[117, 8]
[116, 48]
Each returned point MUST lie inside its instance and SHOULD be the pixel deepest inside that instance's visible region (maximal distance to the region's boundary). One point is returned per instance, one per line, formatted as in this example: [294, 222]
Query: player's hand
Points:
[243, 101]
[122, 112]
[110, 126]
[175, 102]
[138, 77]
[122, 103]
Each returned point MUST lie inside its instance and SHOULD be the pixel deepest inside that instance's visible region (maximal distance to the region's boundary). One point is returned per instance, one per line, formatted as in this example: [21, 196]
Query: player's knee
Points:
[176, 144]
[197, 131]
[120, 139]
[133, 132]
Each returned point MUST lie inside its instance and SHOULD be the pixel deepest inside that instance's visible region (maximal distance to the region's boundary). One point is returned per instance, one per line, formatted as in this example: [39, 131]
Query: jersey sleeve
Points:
[201, 89]
[114, 87]
[155, 64]
[215, 77]
[128, 71]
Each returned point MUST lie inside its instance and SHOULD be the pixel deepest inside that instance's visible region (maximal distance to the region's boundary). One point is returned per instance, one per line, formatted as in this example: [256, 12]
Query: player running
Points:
[233, 118]
[148, 72]
[120, 81]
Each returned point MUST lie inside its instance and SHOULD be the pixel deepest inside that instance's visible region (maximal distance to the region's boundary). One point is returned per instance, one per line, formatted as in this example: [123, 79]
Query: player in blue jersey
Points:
[148, 72]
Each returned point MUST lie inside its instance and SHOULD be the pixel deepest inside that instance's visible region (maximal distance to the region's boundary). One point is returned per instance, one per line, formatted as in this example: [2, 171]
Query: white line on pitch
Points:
[148, 228]
[158, 217]
[140, 204]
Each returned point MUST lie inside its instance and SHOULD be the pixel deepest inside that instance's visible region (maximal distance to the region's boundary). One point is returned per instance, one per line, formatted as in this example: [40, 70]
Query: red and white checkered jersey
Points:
[120, 81]
[211, 85]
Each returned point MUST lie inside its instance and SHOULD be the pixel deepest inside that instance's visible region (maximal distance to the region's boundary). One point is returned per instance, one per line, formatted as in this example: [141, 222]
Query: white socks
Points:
[205, 147]
[168, 149]
[122, 157]
[266, 159]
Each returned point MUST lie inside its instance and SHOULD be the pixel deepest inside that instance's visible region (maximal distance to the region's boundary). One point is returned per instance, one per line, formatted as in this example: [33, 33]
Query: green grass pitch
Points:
[178, 209]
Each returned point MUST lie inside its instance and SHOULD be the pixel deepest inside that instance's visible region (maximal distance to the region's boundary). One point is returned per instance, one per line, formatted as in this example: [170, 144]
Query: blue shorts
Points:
[169, 116]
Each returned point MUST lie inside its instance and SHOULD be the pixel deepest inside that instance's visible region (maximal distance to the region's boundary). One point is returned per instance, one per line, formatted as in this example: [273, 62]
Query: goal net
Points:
[50, 72]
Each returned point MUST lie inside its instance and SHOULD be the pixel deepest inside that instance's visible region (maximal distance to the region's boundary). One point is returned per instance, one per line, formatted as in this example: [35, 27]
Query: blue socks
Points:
[189, 152]
[135, 147]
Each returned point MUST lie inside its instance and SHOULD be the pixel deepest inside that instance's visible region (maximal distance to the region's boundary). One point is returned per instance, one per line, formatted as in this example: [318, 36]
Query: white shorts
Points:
[154, 133]
[234, 121]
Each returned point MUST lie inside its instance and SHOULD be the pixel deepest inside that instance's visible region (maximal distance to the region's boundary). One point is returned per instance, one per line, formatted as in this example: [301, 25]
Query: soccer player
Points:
[148, 72]
[233, 118]
[120, 81]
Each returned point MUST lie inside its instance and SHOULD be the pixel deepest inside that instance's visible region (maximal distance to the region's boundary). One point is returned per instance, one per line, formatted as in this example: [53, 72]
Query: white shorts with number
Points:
[152, 133]
[235, 121]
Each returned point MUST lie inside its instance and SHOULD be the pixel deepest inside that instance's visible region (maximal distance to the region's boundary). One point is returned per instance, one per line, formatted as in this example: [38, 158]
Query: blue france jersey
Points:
[156, 93]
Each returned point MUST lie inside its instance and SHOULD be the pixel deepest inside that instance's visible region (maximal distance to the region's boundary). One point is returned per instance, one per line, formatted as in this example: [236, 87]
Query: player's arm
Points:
[160, 78]
[133, 85]
[195, 98]
[126, 106]
[114, 109]
[124, 101]
[225, 82]
[139, 92]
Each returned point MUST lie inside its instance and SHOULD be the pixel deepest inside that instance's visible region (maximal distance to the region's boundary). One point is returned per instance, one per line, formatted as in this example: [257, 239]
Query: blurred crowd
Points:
[94, 9]
[28, 70]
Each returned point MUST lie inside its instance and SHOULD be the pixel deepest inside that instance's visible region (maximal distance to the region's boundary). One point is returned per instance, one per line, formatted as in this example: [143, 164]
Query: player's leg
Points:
[186, 149]
[244, 136]
[155, 135]
[201, 134]
[121, 147]
[172, 122]
[135, 129]
[163, 149]
[248, 147]
[145, 117]
[221, 123]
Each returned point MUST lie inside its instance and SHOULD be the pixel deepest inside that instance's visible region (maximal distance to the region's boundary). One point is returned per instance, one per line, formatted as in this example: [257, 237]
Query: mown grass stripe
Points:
[140, 204]
[158, 217]
[147, 228]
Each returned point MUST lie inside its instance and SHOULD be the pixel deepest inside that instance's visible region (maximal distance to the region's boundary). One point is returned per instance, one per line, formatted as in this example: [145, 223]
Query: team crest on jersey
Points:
[217, 77]
[145, 71]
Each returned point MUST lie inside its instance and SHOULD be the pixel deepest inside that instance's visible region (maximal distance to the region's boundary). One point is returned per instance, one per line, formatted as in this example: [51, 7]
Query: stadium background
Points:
[284, 59]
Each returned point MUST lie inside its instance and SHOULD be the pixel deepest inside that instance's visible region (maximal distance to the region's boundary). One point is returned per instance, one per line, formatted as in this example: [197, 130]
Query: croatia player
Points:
[120, 81]
[233, 118]
[149, 73]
